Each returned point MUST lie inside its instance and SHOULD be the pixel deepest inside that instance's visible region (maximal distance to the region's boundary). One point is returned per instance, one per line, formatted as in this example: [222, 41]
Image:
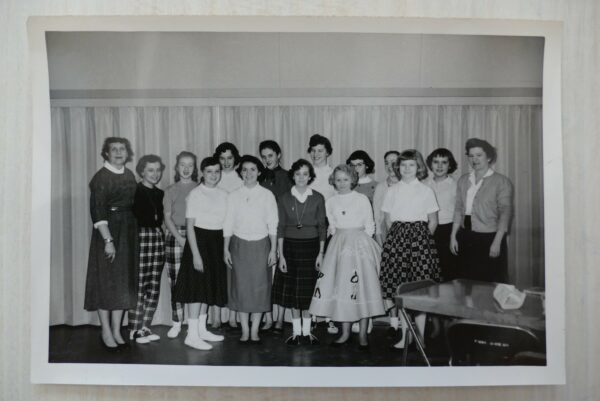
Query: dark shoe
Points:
[107, 348]
[294, 340]
[246, 341]
[310, 339]
[392, 332]
[363, 347]
[266, 327]
[256, 342]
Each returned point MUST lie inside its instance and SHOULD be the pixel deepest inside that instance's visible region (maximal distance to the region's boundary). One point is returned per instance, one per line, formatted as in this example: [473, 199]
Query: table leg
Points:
[414, 334]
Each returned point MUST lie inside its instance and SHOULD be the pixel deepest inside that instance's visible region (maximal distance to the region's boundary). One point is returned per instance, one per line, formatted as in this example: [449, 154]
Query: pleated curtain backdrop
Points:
[78, 134]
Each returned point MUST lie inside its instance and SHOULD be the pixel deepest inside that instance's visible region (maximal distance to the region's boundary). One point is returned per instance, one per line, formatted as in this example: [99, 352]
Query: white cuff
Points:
[99, 223]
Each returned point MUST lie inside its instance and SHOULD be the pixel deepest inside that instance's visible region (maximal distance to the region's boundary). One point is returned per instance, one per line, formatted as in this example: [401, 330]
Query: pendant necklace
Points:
[299, 220]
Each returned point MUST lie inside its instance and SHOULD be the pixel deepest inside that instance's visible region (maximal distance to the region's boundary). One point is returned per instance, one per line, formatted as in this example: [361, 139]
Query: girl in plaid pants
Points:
[148, 210]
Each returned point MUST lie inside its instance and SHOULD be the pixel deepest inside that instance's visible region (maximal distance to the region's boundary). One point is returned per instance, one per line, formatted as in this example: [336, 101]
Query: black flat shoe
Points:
[364, 347]
[310, 339]
[294, 340]
[107, 348]
[246, 341]
[256, 342]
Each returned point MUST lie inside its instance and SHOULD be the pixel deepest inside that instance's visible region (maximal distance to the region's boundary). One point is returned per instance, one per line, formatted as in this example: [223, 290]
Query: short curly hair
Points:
[318, 139]
[442, 152]
[412, 154]
[146, 159]
[250, 159]
[489, 150]
[115, 139]
[297, 165]
[349, 170]
[364, 156]
[224, 147]
[269, 144]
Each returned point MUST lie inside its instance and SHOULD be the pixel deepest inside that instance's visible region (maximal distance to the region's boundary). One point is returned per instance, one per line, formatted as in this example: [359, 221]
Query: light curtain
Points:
[78, 134]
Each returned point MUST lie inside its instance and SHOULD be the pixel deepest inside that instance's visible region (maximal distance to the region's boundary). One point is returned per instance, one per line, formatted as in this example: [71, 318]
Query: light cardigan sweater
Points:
[492, 205]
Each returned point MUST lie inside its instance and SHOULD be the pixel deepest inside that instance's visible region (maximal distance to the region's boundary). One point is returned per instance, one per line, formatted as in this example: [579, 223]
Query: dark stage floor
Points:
[82, 344]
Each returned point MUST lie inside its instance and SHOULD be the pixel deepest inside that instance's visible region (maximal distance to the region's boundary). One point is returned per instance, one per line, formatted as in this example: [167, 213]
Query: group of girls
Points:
[319, 241]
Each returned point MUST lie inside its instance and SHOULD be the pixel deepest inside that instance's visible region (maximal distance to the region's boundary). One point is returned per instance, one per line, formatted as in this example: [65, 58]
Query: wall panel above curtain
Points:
[78, 133]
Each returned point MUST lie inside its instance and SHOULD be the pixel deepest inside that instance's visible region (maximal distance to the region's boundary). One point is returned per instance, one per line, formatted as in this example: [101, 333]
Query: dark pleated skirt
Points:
[294, 289]
[409, 254]
[210, 286]
[251, 277]
[113, 285]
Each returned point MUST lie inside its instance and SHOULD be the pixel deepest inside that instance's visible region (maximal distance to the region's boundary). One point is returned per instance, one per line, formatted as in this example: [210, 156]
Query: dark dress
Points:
[112, 286]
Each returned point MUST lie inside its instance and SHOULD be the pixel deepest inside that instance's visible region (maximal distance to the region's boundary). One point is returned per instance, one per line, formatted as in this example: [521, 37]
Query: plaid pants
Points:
[173, 253]
[152, 259]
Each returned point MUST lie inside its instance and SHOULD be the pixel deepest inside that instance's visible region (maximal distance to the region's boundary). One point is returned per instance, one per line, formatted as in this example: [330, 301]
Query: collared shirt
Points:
[321, 182]
[351, 210]
[366, 186]
[207, 206]
[113, 169]
[301, 197]
[251, 213]
[472, 191]
[492, 205]
[230, 181]
[445, 193]
[409, 202]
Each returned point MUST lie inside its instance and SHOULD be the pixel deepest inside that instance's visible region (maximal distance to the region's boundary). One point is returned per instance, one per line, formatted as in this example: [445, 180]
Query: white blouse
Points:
[321, 182]
[251, 213]
[230, 181]
[445, 193]
[472, 191]
[380, 190]
[351, 210]
[409, 202]
[207, 206]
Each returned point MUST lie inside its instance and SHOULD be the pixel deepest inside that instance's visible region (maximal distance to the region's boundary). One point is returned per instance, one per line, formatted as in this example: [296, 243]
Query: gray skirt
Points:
[250, 287]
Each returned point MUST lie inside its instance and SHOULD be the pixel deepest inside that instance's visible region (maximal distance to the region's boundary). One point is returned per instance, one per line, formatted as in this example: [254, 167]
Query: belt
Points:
[119, 208]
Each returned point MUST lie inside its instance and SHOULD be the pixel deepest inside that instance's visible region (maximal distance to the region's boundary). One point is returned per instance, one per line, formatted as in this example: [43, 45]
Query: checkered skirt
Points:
[409, 254]
[294, 289]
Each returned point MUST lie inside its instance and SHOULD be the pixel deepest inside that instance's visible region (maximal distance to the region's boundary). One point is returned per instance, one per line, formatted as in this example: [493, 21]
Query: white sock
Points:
[420, 321]
[296, 327]
[202, 323]
[394, 322]
[192, 328]
[306, 326]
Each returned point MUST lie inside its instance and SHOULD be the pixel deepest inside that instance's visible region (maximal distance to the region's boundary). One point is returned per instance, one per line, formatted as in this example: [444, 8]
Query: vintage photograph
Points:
[296, 199]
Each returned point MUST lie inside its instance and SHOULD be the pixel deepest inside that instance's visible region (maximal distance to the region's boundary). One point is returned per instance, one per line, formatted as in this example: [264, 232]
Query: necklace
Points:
[299, 220]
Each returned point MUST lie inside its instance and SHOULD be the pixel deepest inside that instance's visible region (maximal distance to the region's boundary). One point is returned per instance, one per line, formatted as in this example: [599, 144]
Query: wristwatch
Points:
[108, 240]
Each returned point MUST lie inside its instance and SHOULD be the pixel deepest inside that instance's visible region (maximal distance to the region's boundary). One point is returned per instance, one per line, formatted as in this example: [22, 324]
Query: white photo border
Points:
[120, 374]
